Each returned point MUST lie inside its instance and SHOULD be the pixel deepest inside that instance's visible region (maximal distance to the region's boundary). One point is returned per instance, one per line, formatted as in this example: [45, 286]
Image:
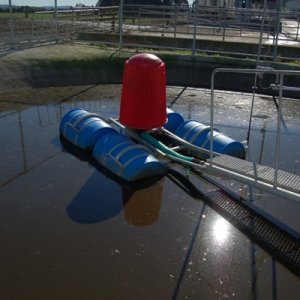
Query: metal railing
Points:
[278, 182]
[181, 27]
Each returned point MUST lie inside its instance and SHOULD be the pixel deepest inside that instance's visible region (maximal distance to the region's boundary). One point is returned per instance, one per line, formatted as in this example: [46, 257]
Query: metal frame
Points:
[242, 177]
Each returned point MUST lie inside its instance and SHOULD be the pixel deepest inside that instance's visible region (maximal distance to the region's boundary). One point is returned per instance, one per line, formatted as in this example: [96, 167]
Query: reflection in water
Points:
[95, 203]
[104, 195]
[24, 144]
[25, 135]
[142, 207]
[220, 231]
[101, 198]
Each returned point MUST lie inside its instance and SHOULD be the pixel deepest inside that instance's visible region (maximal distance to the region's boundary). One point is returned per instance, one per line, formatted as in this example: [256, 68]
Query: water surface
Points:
[69, 231]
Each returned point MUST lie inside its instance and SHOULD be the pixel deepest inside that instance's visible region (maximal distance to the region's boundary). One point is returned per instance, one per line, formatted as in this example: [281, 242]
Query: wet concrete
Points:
[69, 231]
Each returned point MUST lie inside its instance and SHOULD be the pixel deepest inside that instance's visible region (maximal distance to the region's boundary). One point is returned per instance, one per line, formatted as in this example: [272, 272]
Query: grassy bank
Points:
[75, 64]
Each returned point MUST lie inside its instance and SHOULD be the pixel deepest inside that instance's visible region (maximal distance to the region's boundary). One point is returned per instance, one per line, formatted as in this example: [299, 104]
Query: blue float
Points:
[132, 161]
[83, 129]
[125, 158]
[198, 134]
[174, 119]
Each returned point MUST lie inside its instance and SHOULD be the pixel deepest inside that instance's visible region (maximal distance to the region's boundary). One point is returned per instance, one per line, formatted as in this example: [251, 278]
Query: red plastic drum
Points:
[143, 100]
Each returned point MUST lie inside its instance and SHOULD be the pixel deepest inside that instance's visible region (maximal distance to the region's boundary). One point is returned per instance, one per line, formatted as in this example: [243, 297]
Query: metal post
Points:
[195, 28]
[297, 33]
[121, 24]
[278, 133]
[277, 30]
[139, 16]
[55, 19]
[224, 22]
[261, 35]
[212, 114]
[98, 18]
[257, 66]
[73, 21]
[175, 21]
[11, 25]
[32, 25]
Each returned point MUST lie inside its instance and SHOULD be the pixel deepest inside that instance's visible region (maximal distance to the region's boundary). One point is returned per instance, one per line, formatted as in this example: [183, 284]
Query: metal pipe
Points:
[121, 24]
[195, 28]
[277, 30]
[297, 33]
[55, 19]
[212, 115]
[175, 22]
[187, 144]
[289, 195]
[11, 24]
[253, 71]
[278, 133]
[262, 25]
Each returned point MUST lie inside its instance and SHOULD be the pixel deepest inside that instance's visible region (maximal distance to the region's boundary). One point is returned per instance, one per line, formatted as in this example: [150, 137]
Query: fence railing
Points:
[171, 26]
[217, 21]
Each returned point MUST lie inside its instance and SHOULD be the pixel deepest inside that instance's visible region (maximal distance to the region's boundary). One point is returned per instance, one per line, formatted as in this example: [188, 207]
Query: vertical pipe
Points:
[55, 19]
[257, 66]
[278, 10]
[195, 28]
[212, 115]
[73, 21]
[224, 22]
[121, 24]
[262, 25]
[175, 19]
[297, 33]
[11, 25]
[32, 24]
[139, 16]
[99, 12]
[278, 133]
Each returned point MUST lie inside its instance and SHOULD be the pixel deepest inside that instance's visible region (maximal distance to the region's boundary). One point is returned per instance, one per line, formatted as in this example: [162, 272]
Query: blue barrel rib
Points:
[83, 129]
[125, 158]
[198, 134]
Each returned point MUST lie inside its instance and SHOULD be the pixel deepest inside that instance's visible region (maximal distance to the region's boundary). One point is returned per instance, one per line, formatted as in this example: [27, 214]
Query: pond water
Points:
[69, 231]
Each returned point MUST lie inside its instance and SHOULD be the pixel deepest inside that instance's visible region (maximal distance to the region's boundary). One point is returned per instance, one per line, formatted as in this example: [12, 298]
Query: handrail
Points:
[281, 74]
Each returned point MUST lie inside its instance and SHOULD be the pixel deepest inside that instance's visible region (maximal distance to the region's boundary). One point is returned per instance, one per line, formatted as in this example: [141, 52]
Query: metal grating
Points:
[279, 243]
[285, 180]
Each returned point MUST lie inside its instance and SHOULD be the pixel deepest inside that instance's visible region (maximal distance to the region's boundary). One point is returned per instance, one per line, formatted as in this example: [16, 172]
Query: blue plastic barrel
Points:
[83, 129]
[174, 119]
[199, 134]
[125, 158]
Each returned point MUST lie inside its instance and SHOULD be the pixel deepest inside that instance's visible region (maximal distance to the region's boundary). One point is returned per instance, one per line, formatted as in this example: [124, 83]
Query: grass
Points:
[218, 58]
[17, 15]
[86, 53]
[22, 15]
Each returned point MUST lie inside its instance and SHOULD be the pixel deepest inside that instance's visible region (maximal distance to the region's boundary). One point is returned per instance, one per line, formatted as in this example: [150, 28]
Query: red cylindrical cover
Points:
[143, 99]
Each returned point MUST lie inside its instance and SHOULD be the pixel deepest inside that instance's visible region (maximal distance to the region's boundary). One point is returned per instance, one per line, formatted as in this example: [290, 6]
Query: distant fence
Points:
[21, 29]
[164, 26]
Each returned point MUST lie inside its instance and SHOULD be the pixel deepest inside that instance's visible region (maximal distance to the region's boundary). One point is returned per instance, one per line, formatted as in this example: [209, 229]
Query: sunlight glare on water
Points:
[220, 231]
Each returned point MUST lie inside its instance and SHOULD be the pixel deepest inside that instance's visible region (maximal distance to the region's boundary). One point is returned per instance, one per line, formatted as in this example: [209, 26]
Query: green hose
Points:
[151, 140]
